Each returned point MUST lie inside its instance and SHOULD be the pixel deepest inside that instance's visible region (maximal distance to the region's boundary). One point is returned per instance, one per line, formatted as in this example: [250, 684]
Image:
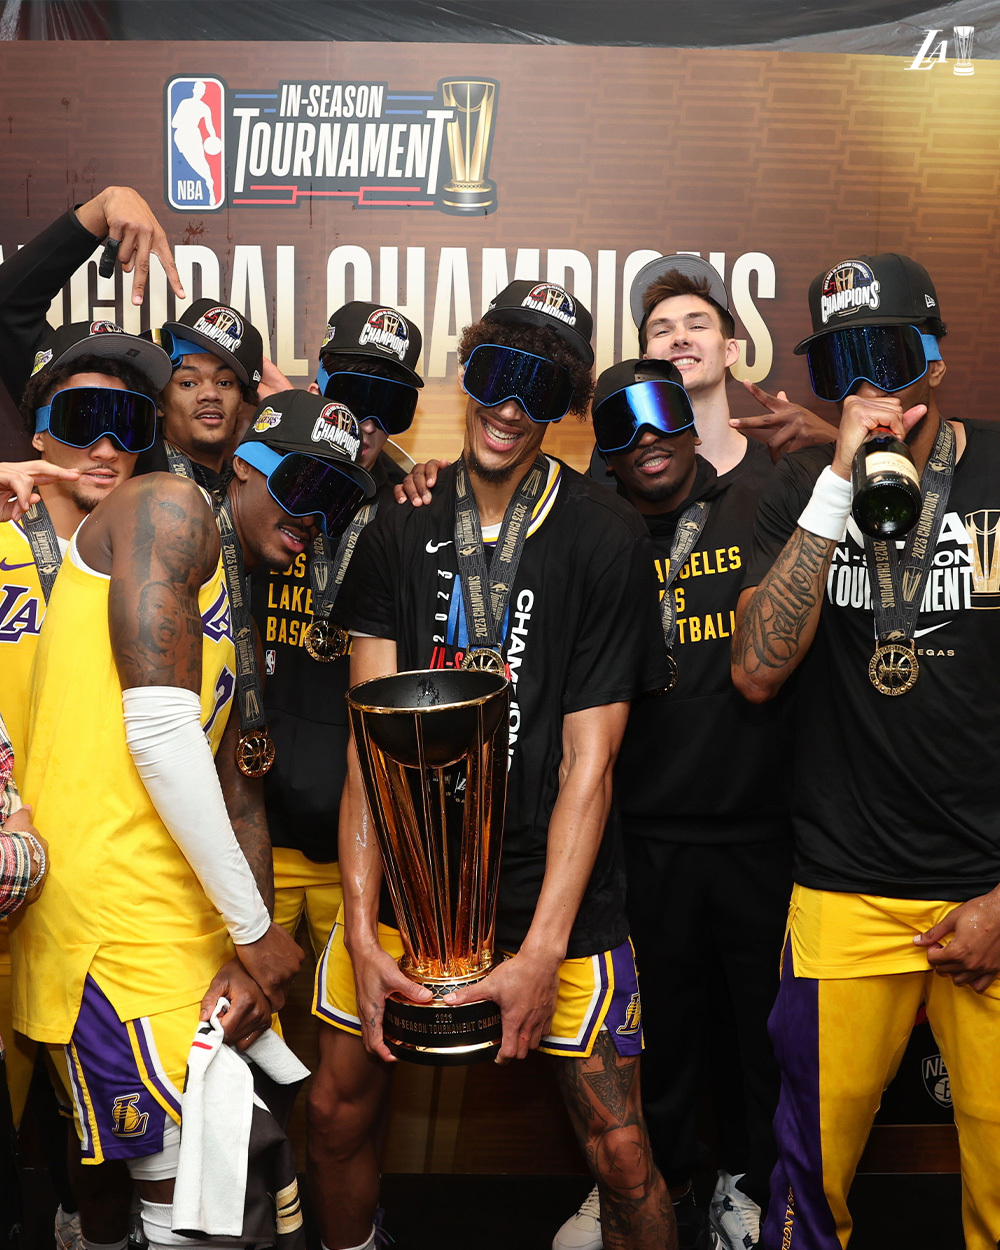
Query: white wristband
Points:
[173, 758]
[829, 506]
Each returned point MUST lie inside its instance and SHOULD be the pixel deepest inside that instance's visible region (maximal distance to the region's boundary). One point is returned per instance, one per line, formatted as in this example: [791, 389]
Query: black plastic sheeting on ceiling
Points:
[649, 23]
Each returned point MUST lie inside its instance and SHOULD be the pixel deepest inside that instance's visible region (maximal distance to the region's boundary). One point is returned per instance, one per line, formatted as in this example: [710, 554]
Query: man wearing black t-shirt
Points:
[367, 362]
[580, 641]
[896, 797]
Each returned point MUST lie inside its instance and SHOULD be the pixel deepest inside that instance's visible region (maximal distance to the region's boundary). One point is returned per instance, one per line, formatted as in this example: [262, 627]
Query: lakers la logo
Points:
[126, 1119]
[633, 1018]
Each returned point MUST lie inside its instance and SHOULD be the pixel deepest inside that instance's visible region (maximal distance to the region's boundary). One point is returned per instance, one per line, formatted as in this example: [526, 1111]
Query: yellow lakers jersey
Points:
[121, 902]
[22, 610]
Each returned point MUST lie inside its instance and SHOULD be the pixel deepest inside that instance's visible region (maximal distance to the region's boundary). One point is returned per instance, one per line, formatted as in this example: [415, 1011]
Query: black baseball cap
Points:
[106, 339]
[548, 305]
[885, 290]
[679, 262]
[300, 421]
[627, 372]
[221, 331]
[378, 331]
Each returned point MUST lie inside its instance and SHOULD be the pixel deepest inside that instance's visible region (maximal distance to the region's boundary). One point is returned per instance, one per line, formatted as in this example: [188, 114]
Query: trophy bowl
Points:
[433, 752]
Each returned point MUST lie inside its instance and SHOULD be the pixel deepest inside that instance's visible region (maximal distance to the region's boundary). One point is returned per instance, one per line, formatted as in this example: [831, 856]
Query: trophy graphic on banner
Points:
[469, 139]
[983, 528]
[963, 46]
[433, 752]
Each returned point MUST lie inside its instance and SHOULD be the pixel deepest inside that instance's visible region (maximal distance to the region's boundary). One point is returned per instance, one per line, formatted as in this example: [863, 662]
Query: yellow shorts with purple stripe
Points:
[126, 1076]
[595, 991]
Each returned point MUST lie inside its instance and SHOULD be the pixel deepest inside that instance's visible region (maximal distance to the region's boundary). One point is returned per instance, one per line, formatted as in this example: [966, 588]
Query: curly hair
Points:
[539, 341]
[675, 283]
[44, 384]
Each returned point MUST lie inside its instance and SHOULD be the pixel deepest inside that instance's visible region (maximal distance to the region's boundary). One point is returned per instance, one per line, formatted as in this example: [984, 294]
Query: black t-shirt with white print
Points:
[699, 765]
[582, 632]
[900, 796]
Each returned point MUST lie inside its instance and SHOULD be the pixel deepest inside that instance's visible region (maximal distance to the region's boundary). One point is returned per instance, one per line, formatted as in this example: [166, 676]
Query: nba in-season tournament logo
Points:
[309, 141]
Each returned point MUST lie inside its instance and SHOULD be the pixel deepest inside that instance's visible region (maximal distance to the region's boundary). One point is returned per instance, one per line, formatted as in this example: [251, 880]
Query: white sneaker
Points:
[67, 1231]
[734, 1218]
[583, 1230]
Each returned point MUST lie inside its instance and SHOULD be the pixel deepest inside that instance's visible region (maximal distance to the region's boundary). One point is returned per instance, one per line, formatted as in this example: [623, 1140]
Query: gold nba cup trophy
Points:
[469, 134]
[433, 752]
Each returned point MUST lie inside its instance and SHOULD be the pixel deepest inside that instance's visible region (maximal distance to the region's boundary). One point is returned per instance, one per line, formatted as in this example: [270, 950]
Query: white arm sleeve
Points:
[173, 758]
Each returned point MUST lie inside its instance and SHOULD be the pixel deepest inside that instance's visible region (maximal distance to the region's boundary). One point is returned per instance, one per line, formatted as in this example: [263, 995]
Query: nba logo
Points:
[195, 143]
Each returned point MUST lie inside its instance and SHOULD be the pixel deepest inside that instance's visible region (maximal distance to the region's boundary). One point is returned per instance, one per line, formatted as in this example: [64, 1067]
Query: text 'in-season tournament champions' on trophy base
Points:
[433, 752]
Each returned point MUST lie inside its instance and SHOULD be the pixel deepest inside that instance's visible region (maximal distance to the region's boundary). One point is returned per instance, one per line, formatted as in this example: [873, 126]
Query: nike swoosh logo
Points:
[9, 568]
[919, 633]
[432, 547]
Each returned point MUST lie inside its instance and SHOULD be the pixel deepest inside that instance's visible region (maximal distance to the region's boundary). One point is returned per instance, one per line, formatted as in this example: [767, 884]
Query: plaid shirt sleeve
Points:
[15, 850]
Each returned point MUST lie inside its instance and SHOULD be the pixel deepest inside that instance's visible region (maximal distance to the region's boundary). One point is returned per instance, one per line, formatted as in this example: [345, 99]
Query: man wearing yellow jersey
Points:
[158, 895]
[102, 363]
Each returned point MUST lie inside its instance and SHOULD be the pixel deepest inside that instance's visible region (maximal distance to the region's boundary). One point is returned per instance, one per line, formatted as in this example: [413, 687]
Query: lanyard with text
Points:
[44, 545]
[486, 591]
[897, 580]
[326, 642]
[686, 535]
[183, 466]
[255, 752]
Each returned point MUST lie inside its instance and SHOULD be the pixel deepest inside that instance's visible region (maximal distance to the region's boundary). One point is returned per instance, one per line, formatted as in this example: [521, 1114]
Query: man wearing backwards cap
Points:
[895, 800]
[706, 839]
[367, 362]
[217, 354]
[90, 409]
[161, 899]
[580, 640]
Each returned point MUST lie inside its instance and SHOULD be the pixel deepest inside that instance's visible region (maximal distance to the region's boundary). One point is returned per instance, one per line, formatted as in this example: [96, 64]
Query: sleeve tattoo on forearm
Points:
[782, 605]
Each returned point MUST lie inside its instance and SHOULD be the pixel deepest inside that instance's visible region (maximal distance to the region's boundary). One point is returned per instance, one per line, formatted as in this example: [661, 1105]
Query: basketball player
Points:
[584, 642]
[157, 903]
[367, 361]
[895, 793]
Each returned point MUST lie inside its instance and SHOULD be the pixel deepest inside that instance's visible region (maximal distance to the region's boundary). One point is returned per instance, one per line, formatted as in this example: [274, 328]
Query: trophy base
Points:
[434, 1033]
[469, 197]
[989, 599]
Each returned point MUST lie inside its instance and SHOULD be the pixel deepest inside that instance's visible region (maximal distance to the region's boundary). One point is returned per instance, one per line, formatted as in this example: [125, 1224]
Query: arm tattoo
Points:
[785, 603]
[245, 803]
[165, 550]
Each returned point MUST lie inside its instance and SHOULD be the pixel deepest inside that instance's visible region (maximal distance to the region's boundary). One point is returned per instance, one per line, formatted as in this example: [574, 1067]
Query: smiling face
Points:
[500, 439]
[102, 466]
[268, 535]
[201, 403]
[658, 472]
[687, 331]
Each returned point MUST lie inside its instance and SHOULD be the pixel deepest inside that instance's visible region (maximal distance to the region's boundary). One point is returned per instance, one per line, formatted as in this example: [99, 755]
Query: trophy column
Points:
[433, 752]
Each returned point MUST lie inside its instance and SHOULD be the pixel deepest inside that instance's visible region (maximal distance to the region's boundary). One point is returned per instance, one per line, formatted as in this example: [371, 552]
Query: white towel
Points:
[216, 1113]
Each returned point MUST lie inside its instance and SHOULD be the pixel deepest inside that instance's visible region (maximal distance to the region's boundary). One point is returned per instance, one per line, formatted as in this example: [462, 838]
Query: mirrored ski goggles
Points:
[306, 486]
[657, 405]
[494, 374]
[389, 404]
[80, 415]
[889, 357]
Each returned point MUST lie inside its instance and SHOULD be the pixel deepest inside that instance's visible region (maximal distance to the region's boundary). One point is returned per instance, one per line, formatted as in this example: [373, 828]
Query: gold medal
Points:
[893, 668]
[671, 676]
[255, 753]
[326, 642]
[484, 660]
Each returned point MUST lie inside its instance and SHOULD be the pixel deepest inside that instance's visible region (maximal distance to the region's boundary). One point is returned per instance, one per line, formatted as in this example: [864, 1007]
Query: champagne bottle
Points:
[886, 487]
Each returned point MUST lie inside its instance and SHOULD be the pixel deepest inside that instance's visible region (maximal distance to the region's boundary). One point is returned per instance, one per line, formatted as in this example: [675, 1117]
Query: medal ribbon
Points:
[183, 466]
[251, 704]
[688, 532]
[486, 591]
[325, 587]
[41, 535]
[897, 581]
